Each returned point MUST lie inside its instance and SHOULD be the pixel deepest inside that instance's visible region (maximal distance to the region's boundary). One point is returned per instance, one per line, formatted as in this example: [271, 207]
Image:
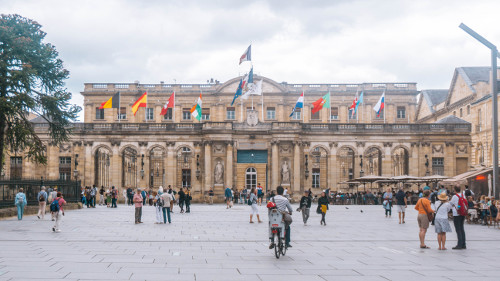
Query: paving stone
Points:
[213, 243]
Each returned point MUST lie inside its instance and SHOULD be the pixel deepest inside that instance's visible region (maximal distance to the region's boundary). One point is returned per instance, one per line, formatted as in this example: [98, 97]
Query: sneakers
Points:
[288, 246]
[272, 246]
[53, 229]
[58, 230]
[457, 248]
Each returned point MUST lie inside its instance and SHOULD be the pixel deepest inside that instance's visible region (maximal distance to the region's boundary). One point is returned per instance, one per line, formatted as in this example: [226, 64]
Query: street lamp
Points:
[426, 165]
[198, 173]
[306, 172]
[142, 166]
[361, 172]
[494, 124]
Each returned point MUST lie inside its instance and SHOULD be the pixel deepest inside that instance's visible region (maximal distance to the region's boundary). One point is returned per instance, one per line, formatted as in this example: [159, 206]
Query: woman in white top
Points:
[253, 200]
[442, 225]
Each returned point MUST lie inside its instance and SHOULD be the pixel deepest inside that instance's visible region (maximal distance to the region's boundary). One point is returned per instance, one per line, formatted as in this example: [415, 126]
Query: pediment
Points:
[269, 86]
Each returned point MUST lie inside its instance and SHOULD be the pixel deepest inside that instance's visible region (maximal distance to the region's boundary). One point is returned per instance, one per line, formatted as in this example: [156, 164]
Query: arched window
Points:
[400, 162]
[184, 156]
[373, 157]
[346, 164]
[156, 169]
[129, 167]
[102, 163]
[251, 178]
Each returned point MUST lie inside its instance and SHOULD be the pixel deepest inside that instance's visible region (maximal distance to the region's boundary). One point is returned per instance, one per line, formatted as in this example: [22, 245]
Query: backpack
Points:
[250, 202]
[433, 197]
[468, 193]
[159, 202]
[462, 206]
[41, 198]
[54, 206]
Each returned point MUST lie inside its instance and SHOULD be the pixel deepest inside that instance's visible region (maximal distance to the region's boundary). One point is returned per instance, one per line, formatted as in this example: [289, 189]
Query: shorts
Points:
[423, 221]
[254, 210]
[400, 208]
[260, 195]
[228, 198]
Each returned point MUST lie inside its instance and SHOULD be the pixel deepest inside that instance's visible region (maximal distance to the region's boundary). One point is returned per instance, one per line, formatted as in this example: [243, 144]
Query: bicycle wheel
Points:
[283, 246]
[277, 241]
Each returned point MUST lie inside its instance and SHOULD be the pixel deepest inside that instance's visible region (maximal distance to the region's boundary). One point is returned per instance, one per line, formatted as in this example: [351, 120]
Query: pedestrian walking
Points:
[108, 198]
[387, 202]
[138, 200]
[323, 207]
[260, 193]
[130, 196]
[305, 206]
[167, 201]
[182, 198]
[401, 205]
[93, 194]
[424, 216]
[114, 196]
[57, 209]
[252, 201]
[144, 196]
[101, 196]
[52, 195]
[158, 206]
[187, 200]
[459, 209]
[42, 203]
[228, 195]
[20, 202]
[441, 223]
[211, 196]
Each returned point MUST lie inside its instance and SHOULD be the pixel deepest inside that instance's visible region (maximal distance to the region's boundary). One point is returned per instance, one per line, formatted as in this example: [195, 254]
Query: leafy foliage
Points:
[31, 81]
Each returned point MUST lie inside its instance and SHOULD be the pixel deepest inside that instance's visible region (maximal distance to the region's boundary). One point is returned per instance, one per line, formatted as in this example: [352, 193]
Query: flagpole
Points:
[384, 105]
[146, 110]
[119, 105]
[262, 104]
[303, 110]
[173, 110]
[329, 99]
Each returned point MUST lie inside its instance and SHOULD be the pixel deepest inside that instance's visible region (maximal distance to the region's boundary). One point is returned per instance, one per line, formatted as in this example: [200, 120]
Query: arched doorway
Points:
[184, 157]
[373, 158]
[251, 178]
[129, 168]
[400, 162]
[156, 169]
[319, 167]
[102, 167]
[346, 163]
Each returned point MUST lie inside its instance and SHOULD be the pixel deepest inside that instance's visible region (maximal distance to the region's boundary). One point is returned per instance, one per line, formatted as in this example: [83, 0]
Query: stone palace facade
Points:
[254, 141]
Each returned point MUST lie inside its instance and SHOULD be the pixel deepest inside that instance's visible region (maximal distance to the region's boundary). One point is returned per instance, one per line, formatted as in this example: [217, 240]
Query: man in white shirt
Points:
[283, 205]
[167, 199]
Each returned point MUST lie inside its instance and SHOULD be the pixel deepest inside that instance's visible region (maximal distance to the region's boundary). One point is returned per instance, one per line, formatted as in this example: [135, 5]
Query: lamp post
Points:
[494, 124]
[361, 172]
[306, 172]
[426, 165]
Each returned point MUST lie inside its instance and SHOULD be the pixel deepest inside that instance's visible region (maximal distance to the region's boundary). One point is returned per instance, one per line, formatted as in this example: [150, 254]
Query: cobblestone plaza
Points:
[213, 243]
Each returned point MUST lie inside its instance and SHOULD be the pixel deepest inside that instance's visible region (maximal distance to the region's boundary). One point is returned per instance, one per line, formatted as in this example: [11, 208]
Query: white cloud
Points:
[294, 41]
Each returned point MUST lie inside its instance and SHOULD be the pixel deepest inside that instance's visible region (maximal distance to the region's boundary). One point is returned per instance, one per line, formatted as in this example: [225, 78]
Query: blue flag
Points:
[239, 91]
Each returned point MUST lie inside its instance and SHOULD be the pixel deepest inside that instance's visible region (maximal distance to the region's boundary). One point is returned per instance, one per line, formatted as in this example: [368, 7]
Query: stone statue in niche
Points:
[219, 173]
[285, 173]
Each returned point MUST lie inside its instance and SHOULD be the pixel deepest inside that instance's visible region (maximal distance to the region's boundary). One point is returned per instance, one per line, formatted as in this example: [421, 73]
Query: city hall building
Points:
[252, 141]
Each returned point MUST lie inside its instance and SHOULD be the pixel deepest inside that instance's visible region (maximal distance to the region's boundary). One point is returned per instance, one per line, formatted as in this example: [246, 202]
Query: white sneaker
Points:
[58, 230]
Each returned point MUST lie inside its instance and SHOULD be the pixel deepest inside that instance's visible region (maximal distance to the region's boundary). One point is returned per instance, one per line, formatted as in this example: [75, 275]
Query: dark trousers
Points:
[138, 214]
[113, 203]
[166, 214]
[188, 207]
[287, 235]
[458, 221]
[93, 201]
[323, 217]
[388, 212]
[181, 205]
[89, 201]
[130, 202]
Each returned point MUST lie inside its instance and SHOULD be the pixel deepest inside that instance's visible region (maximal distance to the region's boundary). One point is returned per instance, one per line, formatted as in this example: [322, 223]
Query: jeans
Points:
[188, 207]
[113, 203]
[323, 217]
[20, 211]
[388, 212]
[458, 221]
[138, 214]
[181, 205]
[41, 209]
[305, 214]
[287, 235]
[166, 214]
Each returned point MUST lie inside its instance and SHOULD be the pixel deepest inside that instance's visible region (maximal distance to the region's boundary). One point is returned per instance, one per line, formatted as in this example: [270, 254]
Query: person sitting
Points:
[283, 205]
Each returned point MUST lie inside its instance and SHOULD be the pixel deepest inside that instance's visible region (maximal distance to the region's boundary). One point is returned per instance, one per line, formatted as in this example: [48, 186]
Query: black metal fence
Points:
[9, 189]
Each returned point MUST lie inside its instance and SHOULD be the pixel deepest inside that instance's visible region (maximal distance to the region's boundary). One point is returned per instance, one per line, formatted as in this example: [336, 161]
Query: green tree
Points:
[31, 81]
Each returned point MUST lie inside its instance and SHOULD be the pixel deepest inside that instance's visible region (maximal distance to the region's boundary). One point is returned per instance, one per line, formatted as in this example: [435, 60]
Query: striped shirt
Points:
[282, 204]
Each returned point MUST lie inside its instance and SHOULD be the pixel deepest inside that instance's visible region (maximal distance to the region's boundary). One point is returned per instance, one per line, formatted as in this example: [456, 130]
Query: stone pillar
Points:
[115, 168]
[229, 164]
[387, 165]
[52, 162]
[296, 168]
[88, 159]
[208, 165]
[170, 173]
[274, 165]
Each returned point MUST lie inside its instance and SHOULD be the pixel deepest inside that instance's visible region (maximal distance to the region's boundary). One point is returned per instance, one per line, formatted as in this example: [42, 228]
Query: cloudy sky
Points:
[323, 41]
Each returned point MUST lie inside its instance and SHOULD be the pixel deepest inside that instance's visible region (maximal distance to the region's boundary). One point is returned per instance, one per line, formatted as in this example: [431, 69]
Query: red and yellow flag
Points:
[141, 102]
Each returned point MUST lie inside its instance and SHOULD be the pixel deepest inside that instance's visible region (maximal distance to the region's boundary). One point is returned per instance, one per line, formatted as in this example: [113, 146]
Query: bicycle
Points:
[277, 233]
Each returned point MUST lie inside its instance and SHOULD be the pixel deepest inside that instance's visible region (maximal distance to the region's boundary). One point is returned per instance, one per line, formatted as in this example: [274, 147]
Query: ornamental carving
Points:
[461, 149]
[252, 118]
[65, 147]
[143, 143]
[219, 148]
[360, 144]
[285, 149]
[437, 148]
[387, 144]
[449, 143]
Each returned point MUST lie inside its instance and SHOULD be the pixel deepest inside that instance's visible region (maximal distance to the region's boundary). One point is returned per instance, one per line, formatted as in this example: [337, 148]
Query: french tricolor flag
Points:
[380, 105]
[247, 56]
[299, 104]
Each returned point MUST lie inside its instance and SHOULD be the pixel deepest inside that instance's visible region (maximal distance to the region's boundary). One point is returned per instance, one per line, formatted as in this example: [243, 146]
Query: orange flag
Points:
[141, 102]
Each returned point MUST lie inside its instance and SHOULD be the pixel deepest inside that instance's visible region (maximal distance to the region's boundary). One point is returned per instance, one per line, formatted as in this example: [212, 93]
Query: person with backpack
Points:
[42, 202]
[114, 197]
[56, 208]
[101, 196]
[20, 202]
[182, 197]
[52, 195]
[228, 194]
[252, 202]
[260, 194]
[468, 192]
[305, 206]
[144, 196]
[459, 204]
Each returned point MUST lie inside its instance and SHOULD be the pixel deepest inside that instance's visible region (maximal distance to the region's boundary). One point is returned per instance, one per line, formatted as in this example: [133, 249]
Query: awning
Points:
[462, 178]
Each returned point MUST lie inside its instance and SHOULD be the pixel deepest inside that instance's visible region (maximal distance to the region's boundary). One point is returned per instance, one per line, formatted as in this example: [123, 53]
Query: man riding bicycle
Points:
[283, 205]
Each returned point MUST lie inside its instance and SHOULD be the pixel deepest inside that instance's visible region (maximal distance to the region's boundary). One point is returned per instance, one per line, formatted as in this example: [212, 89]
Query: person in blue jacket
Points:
[20, 202]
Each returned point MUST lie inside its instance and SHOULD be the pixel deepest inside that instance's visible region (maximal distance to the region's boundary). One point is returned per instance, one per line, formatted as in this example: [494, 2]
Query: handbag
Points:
[287, 218]
[430, 216]
[318, 210]
[434, 216]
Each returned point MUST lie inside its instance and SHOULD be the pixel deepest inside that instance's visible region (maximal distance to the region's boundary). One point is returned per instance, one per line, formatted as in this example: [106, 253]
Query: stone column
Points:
[229, 164]
[115, 168]
[274, 165]
[296, 167]
[88, 158]
[170, 173]
[208, 165]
